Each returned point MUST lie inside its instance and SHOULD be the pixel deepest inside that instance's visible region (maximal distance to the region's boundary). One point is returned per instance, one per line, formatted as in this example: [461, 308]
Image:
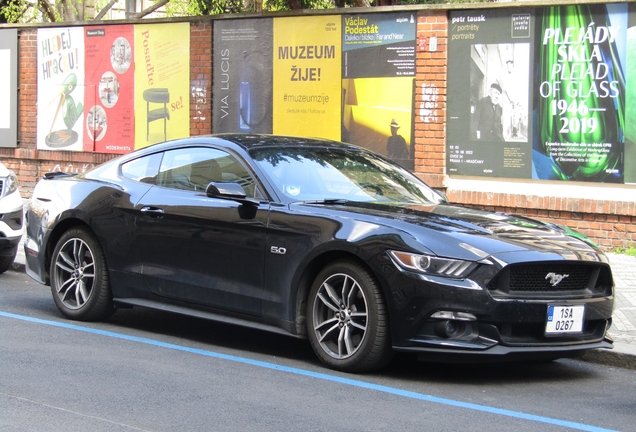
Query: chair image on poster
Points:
[157, 95]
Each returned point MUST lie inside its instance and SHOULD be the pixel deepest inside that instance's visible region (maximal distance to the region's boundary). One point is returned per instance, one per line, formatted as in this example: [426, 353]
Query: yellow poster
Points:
[162, 82]
[307, 71]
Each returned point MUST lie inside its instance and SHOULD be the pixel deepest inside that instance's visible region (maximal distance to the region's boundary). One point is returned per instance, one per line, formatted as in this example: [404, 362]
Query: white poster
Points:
[60, 88]
[5, 88]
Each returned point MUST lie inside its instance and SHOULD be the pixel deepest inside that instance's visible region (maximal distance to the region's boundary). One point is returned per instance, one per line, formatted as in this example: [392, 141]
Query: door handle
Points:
[152, 211]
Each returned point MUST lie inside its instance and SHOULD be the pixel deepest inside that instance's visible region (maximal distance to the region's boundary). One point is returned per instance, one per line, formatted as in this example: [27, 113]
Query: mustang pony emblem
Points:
[555, 279]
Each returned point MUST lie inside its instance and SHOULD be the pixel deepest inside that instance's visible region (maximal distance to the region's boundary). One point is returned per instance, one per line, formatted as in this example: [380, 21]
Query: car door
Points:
[198, 249]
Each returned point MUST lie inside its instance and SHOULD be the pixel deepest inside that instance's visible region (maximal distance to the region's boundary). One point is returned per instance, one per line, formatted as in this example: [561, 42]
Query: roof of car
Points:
[246, 142]
[252, 141]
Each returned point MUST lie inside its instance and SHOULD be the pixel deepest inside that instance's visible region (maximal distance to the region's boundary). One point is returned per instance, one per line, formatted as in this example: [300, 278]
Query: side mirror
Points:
[229, 191]
[441, 195]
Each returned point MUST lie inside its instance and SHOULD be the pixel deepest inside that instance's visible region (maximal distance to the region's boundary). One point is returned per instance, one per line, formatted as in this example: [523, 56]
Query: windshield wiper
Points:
[326, 201]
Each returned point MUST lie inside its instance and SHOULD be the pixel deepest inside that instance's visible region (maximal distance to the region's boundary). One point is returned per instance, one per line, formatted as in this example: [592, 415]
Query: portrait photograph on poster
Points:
[489, 128]
[499, 79]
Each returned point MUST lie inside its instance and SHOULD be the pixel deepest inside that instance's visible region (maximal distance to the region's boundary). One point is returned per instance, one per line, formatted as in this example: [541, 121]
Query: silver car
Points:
[11, 217]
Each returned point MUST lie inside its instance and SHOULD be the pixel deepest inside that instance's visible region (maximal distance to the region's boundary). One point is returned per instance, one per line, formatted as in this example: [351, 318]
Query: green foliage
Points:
[19, 11]
[282, 5]
[629, 250]
[25, 11]
[416, 2]
[183, 9]
[214, 7]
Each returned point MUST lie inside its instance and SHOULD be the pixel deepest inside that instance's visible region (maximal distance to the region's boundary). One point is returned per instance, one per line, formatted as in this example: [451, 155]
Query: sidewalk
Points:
[623, 329]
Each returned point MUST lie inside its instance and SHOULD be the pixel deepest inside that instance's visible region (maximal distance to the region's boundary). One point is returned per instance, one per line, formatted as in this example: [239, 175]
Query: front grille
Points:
[537, 278]
[1, 188]
[552, 277]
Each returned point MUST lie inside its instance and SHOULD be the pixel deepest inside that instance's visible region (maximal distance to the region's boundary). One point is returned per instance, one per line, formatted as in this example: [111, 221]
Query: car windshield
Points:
[332, 174]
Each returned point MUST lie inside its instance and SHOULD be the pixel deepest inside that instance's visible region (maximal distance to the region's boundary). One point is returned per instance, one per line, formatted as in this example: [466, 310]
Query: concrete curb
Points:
[17, 267]
[610, 358]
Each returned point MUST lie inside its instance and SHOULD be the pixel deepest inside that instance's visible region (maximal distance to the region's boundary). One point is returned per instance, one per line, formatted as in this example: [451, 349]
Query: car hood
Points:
[465, 233]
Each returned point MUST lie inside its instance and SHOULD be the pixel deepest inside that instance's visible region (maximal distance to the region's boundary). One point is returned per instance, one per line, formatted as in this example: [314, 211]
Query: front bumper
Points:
[491, 323]
[11, 223]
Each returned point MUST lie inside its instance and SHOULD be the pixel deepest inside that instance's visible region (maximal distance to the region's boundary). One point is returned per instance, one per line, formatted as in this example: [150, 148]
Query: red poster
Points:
[109, 101]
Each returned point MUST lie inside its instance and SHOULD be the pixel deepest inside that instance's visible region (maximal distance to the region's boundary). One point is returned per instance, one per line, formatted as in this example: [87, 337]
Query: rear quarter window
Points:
[143, 169]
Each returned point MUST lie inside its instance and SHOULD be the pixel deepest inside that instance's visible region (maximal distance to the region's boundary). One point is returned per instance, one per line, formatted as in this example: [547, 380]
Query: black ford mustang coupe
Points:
[316, 239]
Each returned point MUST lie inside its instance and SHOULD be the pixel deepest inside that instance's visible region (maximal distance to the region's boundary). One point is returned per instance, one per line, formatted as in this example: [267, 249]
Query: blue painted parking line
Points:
[316, 375]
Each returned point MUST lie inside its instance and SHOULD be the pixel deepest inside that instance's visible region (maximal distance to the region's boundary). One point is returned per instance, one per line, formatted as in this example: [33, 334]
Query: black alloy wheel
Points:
[347, 321]
[79, 277]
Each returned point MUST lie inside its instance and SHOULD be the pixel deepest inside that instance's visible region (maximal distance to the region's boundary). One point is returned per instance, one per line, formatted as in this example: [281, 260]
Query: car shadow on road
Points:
[478, 373]
[276, 348]
[237, 340]
[217, 336]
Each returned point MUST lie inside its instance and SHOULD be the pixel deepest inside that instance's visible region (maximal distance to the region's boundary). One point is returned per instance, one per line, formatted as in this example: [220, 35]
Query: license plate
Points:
[564, 319]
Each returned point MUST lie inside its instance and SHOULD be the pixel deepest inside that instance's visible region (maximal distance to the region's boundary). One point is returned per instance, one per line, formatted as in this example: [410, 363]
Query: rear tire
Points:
[5, 263]
[347, 320]
[79, 277]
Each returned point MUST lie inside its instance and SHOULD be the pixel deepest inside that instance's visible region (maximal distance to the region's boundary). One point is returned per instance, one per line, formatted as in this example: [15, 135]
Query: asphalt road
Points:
[153, 371]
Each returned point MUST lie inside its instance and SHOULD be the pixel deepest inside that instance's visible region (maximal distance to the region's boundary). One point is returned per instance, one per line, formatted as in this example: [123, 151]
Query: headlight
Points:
[10, 184]
[447, 267]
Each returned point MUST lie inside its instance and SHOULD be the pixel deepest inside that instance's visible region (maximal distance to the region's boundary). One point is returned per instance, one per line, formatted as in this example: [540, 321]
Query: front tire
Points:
[79, 277]
[347, 320]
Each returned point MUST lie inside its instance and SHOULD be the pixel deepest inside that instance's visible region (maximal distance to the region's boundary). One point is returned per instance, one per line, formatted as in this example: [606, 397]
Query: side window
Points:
[143, 169]
[195, 167]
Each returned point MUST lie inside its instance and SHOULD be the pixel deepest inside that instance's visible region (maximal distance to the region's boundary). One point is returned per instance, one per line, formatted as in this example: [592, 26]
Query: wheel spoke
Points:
[351, 297]
[69, 293]
[359, 326]
[340, 315]
[326, 323]
[348, 342]
[327, 303]
[75, 273]
[77, 251]
[78, 293]
[67, 260]
[346, 290]
[84, 268]
[63, 286]
[84, 293]
[328, 332]
[341, 342]
[333, 295]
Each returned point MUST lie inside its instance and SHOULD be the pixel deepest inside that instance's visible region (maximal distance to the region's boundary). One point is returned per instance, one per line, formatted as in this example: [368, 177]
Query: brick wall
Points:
[201, 78]
[430, 98]
[609, 223]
